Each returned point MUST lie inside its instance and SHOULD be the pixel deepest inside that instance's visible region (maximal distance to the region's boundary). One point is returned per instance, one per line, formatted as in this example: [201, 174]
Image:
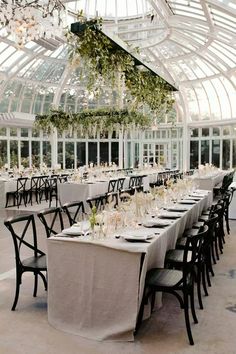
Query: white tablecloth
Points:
[209, 182]
[69, 192]
[95, 287]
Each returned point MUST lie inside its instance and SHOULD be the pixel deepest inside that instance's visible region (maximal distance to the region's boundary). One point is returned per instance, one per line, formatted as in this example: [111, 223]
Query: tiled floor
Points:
[26, 331]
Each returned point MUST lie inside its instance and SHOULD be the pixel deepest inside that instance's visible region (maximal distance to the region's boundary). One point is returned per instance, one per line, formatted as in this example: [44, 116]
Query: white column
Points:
[121, 148]
[53, 139]
[186, 148]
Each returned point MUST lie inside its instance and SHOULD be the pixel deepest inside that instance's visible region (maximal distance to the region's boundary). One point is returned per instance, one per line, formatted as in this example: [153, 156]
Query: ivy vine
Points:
[88, 121]
[104, 60]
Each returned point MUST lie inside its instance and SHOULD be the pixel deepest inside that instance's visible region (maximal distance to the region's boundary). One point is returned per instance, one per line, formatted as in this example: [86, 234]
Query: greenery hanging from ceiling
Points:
[105, 60]
[91, 121]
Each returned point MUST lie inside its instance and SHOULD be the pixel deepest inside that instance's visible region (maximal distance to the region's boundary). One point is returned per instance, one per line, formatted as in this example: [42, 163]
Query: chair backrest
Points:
[21, 183]
[193, 252]
[120, 183]
[132, 181]
[73, 210]
[211, 223]
[139, 181]
[99, 202]
[52, 220]
[42, 183]
[112, 185]
[63, 178]
[34, 183]
[20, 226]
[52, 183]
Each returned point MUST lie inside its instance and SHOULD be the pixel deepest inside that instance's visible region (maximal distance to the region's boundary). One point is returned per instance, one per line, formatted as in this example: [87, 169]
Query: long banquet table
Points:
[95, 287]
[208, 182]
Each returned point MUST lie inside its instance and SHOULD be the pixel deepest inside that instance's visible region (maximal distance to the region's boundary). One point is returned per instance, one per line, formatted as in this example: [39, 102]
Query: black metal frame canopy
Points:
[79, 27]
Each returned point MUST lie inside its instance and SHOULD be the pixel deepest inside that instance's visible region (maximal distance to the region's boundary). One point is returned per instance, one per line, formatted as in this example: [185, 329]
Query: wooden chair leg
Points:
[18, 282]
[35, 284]
[187, 322]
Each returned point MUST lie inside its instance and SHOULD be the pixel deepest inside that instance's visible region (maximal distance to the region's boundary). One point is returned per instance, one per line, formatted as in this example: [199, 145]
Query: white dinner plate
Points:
[155, 223]
[177, 209]
[137, 234]
[187, 201]
[75, 231]
[170, 216]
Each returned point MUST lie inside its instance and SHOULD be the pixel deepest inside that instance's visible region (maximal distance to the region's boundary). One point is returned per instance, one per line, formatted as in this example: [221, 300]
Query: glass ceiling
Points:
[193, 43]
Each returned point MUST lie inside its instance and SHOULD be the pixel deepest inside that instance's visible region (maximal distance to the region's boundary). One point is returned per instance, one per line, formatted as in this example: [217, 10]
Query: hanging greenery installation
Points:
[105, 60]
[91, 121]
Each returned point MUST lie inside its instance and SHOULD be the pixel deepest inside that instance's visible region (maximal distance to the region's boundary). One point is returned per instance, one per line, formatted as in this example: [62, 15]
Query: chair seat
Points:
[190, 232]
[181, 242]
[203, 218]
[206, 212]
[176, 256]
[165, 278]
[198, 224]
[39, 262]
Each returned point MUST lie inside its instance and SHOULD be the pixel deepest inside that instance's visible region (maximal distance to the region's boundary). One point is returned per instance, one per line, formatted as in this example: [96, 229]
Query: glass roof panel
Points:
[193, 42]
[111, 8]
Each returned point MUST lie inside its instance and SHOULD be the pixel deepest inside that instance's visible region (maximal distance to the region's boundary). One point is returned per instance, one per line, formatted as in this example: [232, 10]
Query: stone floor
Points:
[26, 331]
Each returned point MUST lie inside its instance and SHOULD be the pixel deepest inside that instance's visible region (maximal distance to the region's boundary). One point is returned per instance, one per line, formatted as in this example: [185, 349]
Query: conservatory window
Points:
[14, 153]
[216, 153]
[205, 131]
[194, 132]
[81, 154]
[35, 156]
[226, 155]
[35, 133]
[216, 131]
[13, 131]
[24, 132]
[3, 152]
[226, 130]
[24, 153]
[92, 152]
[69, 155]
[104, 152]
[3, 131]
[115, 152]
[60, 153]
[234, 154]
[47, 153]
[194, 145]
[204, 152]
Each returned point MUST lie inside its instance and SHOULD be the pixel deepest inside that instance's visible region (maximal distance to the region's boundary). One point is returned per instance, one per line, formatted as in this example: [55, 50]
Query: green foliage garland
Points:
[104, 59]
[92, 120]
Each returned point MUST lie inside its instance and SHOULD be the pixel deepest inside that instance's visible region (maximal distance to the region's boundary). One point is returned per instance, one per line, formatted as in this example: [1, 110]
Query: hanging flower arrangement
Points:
[105, 60]
[91, 121]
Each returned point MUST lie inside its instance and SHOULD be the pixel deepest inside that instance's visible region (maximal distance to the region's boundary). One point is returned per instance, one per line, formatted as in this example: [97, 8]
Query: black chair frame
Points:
[35, 264]
[55, 216]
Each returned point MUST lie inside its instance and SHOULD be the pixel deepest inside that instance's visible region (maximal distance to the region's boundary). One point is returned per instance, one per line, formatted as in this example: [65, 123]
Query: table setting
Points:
[110, 259]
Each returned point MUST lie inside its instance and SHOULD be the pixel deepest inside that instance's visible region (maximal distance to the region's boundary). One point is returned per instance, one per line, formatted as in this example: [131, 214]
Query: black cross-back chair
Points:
[35, 264]
[112, 186]
[34, 190]
[176, 281]
[52, 190]
[98, 201]
[120, 184]
[52, 220]
[73, 210]
[42, 188]
[19, 194]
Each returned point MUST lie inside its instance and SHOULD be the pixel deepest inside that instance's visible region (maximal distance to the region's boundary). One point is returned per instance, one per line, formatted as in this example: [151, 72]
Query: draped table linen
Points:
[95, 287]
